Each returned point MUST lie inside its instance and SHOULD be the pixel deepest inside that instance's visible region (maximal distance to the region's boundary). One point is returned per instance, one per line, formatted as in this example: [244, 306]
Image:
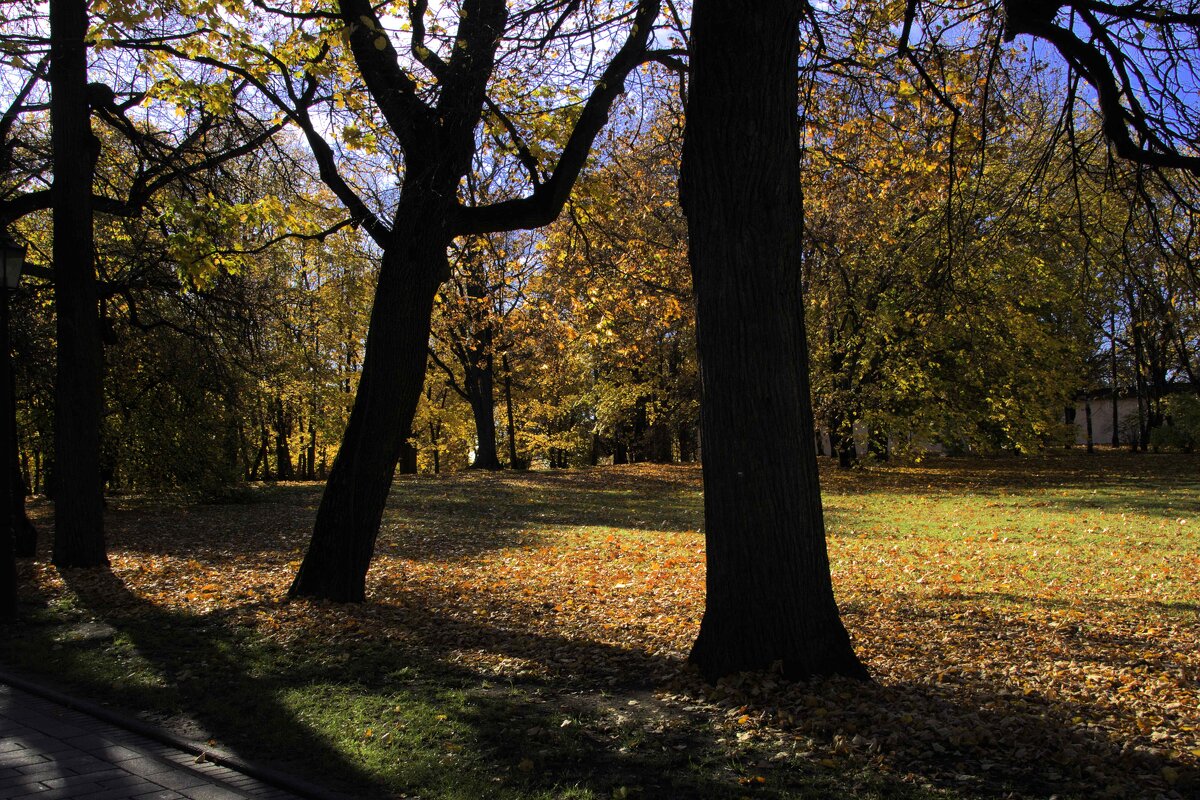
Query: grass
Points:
[1031, 625]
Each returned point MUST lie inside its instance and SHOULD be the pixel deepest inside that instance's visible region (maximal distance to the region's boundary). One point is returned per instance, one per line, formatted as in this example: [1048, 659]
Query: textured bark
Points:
[481, 383]
[393, 373]
[438, 143]
[78, 502]
[769, 593]
[8, 444]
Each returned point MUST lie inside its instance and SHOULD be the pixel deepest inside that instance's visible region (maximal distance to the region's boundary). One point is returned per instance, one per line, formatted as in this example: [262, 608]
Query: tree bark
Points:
[8, 444]
[393, 373]
[769, 593]
[1087, 413]
[481, 382]
[78, 503]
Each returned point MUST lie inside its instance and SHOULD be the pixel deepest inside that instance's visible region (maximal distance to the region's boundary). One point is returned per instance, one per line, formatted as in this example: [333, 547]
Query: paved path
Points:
[50, 752]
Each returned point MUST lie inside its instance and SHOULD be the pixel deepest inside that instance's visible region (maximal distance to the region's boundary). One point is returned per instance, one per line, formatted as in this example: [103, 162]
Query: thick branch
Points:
[1116, 118]
[548, 199]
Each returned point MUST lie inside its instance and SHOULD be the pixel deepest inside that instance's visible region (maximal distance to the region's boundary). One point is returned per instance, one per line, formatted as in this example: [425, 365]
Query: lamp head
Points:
[12, 260]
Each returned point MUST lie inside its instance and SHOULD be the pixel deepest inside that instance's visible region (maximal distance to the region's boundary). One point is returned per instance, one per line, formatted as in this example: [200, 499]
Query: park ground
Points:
[1031, 625]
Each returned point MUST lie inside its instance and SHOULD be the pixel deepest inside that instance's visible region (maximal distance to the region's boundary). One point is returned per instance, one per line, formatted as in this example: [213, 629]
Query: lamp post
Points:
[12, 261]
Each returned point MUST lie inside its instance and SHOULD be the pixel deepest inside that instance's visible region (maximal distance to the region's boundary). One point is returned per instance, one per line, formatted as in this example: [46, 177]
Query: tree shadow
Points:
[183, 650]
[429, 518]
[566, 723]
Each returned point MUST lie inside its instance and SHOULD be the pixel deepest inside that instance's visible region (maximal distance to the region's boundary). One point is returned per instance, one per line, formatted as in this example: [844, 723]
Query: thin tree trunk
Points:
[393, 373]
[8, 444]
[283, 454]
[1116, 415]
[1087, 414]
[78, 502]
[769, 592]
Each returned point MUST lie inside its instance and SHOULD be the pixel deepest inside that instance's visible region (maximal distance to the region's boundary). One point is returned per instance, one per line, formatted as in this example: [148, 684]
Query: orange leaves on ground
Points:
[1058, 673]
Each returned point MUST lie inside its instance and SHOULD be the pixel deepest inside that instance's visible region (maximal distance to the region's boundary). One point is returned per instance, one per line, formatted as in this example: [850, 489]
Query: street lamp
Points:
[12, 261]
[13, 257]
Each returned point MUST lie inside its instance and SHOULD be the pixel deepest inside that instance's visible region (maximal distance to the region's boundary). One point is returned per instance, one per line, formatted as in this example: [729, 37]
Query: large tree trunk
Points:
[78, 502]
[393, 373]
[769, 593]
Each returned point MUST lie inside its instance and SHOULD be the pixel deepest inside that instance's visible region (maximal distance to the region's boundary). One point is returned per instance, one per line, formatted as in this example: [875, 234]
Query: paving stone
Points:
[161, 794]
[211, 792]
[18, 759]
[48, 752]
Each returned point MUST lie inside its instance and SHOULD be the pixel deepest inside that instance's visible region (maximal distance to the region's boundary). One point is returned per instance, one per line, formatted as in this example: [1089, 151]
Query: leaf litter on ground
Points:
[1031, 625]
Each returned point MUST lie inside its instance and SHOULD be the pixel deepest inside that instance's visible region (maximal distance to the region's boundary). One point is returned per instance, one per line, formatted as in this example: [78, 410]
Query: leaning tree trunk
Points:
[769, 593]
[78, 501]
[393, 373]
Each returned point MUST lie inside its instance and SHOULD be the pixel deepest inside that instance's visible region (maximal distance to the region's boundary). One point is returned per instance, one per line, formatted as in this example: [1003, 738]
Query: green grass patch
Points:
[1031, 623]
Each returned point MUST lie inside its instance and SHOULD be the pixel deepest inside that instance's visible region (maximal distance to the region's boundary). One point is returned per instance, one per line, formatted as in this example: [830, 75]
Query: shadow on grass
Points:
[198, 672]
[429, 518]
[403, 713]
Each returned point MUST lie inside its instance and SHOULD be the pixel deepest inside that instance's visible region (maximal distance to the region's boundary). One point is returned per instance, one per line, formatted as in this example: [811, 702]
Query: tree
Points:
[162, 158]
[769, 592]
[79, 509]
[434, 126]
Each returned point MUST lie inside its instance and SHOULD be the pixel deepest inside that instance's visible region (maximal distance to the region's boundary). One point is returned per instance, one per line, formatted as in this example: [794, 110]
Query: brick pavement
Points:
[50, 752]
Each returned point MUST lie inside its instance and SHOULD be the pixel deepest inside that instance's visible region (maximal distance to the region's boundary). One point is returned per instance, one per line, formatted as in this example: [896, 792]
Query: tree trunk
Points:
[481, 382]
[393, 373]
[311, 471]
[1116, 415]
[769, 592]
[8, 444]
[1087, 415]
[78, 503]
[283, 454]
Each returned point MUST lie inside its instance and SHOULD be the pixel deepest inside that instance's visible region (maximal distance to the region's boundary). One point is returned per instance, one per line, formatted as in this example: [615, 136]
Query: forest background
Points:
[234, 302]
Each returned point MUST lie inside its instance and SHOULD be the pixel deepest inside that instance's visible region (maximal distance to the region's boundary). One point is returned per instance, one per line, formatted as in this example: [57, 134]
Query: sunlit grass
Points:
[1032, 625]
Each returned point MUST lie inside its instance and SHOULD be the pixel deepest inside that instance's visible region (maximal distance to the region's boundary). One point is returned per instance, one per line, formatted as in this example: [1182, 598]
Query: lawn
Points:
[1031, 624]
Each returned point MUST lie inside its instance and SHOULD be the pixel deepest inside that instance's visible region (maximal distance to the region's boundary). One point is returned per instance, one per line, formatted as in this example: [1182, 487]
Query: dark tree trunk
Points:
[8, 444]
[311, 471]
[408, 459]
[481, 391]
[769, 592]
[1116, 415]
[283, 454]
[78, 503]
[686, 449]
[1087, 414]
[842, 444]
[434, 446]
[393, 372]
